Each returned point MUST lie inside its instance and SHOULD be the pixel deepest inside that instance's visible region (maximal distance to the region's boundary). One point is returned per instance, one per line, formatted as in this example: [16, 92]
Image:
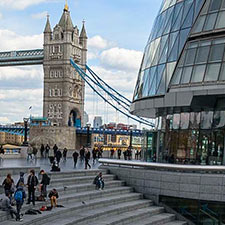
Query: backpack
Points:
[18, 196]
[48, 180]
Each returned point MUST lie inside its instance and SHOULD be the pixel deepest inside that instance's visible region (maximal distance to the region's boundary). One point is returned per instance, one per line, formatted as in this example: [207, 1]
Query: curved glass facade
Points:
[168, 37]
[192, 137]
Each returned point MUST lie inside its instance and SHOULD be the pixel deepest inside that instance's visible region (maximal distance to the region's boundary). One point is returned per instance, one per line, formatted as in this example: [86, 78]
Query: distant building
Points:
[7, 138]
[97, 122]
[86, 118]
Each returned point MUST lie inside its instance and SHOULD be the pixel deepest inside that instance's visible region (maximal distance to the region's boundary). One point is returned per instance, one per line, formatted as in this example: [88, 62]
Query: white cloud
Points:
[99, 43]
[21, 4]
[4, 120]
[13, 41]
[1, 16]
[121, 59]
[41, 15]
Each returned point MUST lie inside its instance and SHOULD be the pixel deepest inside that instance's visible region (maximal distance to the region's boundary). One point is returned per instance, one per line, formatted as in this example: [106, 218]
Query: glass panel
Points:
[212, 72]
[184, 120]
[189, 18]
[202, 54]
[210, 22]
[162, 86]
[205, 8]
[219, 119]
[145, 83]
[183, 37]
[186, 75]
[206, 120]
[198, 73]
[223, 4]
[222, 72]
[176, 121]
[205, 43]
[194, 120]
[170, 70]
[216, 53]
[199, 24]
[190, 58]
[176, 77]
[219, 41]
[193, 44]
[221, 20]
[174, 52]
[215, 5]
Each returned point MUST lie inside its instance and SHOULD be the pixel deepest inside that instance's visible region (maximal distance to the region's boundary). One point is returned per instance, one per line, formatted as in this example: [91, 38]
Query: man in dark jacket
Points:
[119, 153]
[47, 148]
[32, 183]
[58, 156]
[75, 157]
[44, 182]
[82, 152]
[55, 149]
[87, 158]
[21, 179]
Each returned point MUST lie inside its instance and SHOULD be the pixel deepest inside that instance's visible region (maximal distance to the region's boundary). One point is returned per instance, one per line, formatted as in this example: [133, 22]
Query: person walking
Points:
[119, 153]
[55, 149]
[44, 182]
[8, 185]
[111, 153]
[6, 206]
[94, 155]
[32, 183]
[82, 152]
[87, 157]
[21, 179]
[51, 156]
[53, 195]
[58, 156]
[29, 153]
[64, 154]
[42, 149]
[75, 157]
[19, 197]
[47, 148]
[35, 151]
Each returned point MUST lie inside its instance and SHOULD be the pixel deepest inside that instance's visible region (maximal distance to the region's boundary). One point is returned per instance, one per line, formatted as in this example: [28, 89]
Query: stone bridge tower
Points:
[63, 87]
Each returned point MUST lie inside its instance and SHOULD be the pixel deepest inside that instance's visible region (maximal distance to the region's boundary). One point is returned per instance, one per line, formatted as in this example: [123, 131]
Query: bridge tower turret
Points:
[63, 87]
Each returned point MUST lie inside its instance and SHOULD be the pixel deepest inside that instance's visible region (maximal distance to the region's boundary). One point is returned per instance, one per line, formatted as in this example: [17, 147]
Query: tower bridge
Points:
[64, 60]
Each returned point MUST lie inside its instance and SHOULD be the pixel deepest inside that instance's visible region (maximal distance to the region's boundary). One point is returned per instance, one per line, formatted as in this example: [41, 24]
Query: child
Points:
[19, 197]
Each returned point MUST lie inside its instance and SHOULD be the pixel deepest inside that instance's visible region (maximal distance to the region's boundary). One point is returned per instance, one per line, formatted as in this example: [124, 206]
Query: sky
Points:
[117, 34]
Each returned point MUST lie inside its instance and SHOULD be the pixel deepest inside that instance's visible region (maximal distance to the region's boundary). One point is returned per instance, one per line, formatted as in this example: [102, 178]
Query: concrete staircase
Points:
[117, 204]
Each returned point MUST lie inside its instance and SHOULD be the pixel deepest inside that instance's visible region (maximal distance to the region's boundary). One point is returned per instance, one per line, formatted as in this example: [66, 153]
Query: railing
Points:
[164, 166]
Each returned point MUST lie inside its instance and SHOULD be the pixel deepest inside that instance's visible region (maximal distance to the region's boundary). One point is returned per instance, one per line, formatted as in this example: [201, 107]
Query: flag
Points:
[30, 107]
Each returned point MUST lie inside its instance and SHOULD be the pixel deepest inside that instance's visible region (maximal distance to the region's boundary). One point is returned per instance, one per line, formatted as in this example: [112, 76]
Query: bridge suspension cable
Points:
[114, 96]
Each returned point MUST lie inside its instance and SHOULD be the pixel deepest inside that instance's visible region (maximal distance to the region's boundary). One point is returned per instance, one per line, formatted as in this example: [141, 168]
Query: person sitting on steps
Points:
[99, 182]
[53, 195]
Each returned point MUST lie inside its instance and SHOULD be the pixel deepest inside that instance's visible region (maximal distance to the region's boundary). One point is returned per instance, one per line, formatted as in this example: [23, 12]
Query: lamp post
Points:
[88, 136]
[25, 120]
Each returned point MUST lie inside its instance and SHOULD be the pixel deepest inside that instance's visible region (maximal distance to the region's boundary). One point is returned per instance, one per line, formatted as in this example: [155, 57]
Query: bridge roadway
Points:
[22, 57]
[19, 130]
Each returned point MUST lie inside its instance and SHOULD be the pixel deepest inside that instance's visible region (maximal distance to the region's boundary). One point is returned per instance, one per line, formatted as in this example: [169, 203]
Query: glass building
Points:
[181, 82]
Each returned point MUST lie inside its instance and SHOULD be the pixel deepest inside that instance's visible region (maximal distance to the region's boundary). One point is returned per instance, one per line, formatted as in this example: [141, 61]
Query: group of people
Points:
[16, 194]
[127, 154]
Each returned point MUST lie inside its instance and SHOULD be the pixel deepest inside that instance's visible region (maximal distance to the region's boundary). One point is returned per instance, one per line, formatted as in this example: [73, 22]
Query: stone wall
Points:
[63, 137]
[153, 183]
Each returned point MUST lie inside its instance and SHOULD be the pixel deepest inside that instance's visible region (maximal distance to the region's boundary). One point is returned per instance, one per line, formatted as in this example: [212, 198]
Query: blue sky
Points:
[115, 28]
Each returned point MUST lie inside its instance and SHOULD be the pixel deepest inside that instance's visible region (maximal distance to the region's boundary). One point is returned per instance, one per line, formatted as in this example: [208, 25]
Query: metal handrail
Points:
[164, 166]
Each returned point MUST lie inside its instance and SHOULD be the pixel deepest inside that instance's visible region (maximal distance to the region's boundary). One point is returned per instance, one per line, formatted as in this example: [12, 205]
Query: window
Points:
[186, 75]
[221, 20]
[198, 73]
[212, 72]
[216, 53]
[190, 57]
[202, 54]
[210, 22]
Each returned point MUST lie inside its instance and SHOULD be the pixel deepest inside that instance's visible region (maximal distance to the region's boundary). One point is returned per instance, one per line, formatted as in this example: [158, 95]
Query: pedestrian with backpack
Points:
[19, 197]
[44, 182]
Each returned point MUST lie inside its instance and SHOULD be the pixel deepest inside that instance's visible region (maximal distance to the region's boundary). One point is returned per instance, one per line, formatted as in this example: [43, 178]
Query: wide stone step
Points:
[129, 217]
[77, 197]
[76, 173]
[176, 223]
[89, 216]
[159, 219]
[75, 208]
[87, 187]
[78, 180]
